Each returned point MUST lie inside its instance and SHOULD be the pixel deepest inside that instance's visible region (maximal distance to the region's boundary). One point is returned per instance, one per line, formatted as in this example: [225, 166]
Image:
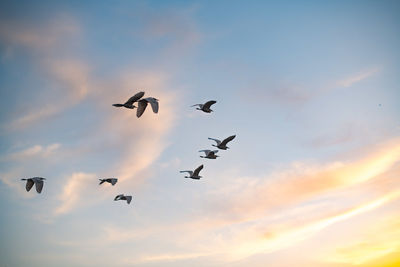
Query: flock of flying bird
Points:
[142, 104]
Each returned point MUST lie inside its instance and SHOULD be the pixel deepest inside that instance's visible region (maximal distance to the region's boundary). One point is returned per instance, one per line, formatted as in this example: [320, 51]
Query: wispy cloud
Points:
[271, 241]
[36, 150]
[47, 44]
[40, 38]
[76, 186]
[304, 182]
[275, 212]
[349, 81]
[139, 141]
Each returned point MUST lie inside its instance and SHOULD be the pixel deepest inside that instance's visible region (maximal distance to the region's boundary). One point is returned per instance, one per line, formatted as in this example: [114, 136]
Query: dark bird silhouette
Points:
[38, 181]
[206, 106]
[194, 174]
[122, 197]
[112, 181]
[143, 104]
[222, 145]
[129, 103]
[210, 154]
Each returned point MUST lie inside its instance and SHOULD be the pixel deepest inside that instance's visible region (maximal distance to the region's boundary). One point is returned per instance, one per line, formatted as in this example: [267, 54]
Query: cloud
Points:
[275, 212]
[71, 78]
[272, 241]
[349, 81]
[40, 38]
[50, 44]
[76, 186]
[36, 150]
[139, 141]
[249, 200]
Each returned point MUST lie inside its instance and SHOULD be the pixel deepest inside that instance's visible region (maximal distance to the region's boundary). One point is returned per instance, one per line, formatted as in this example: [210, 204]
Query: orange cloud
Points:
[303, 183]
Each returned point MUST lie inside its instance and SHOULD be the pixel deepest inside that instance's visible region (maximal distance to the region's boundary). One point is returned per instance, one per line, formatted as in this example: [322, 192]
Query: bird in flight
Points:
[112, 181]
[143, 104]
[222, 145]
[123, 197]
[206, 106]
[129, 103]
[194, 174]
[38, 181]
[210, 154]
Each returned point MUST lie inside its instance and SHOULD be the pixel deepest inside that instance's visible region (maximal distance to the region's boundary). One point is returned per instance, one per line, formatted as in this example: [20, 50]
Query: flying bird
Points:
[143, 104]
[206, 106]
[222, 145]
[122, 197]
[112, 181]
[129, 103]
[38, 181]
[194, 174]
[210, 154]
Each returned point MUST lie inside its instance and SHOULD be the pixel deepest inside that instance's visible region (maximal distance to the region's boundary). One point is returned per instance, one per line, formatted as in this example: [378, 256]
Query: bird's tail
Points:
[101, 181]
[118, 105]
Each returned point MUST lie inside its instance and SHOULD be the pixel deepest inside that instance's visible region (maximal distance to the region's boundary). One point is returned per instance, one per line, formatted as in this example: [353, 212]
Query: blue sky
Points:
[309, 88]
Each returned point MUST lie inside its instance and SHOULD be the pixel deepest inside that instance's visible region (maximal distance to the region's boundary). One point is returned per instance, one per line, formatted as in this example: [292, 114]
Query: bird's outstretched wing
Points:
[134, 98]
[197, 105]
[29, 184]
[141, 108]
[154, 104]
[190, 172]
[216, 140]
[113, 181]
[128, 199]
[226, 140]
[208, 104]
[197, 171]
[39, 186]
[117, 197]
[205, 151]
[213, 152]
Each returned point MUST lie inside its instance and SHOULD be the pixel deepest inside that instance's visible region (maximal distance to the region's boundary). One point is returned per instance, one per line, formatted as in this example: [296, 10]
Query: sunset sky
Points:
[310, 88]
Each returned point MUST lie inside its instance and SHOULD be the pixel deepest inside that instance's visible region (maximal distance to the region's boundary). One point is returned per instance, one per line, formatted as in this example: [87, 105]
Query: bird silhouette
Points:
[38, 181]
[129, 103]
[210, 154]
[143, 104]
[123, 197]
[222, 145]
[206, 106]
[194, 174]
[112, 181]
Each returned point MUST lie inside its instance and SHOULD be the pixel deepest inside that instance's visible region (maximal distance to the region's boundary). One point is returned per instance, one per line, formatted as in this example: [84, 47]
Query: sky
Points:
[309, 88]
